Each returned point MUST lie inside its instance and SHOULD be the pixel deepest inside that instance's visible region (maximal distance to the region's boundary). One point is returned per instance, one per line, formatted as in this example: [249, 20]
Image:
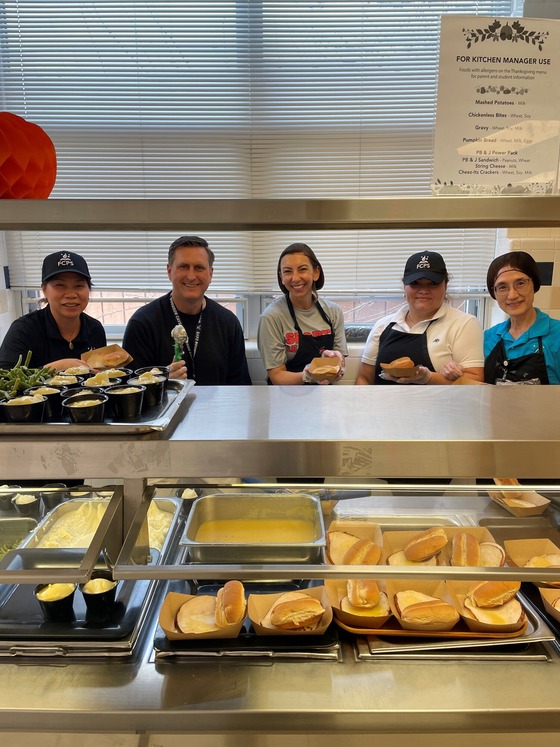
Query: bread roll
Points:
[363, 552]
[399, 558]
[116, 358]
[549, 560]
[362, 593]
[409, 597]
[492, 593]
[296, 611]
[509, 613]
[197, 615]
[555, 604]
[426, 544]
[230, 604]
[330, 369]
[381, 609]
[465, 550]
[404, 362]
[430, 612]
[492, 555]
[338, 544]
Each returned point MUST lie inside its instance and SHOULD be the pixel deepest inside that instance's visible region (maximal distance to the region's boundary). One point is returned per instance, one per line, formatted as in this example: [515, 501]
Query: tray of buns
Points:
[231, 621]
[533, 630]
[157, 419]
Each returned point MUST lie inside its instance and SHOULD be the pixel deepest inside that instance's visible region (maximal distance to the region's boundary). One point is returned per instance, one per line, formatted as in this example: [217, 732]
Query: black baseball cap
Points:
[59, 262]
[429, 265]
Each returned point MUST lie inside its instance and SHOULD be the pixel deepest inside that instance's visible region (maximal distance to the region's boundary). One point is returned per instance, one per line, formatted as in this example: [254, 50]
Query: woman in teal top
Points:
[525, 349]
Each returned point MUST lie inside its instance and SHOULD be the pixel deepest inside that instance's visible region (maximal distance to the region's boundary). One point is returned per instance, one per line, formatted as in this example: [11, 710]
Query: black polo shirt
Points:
[38, 332]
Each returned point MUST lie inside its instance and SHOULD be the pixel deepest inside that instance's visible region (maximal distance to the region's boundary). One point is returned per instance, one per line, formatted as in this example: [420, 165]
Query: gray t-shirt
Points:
[277, 338]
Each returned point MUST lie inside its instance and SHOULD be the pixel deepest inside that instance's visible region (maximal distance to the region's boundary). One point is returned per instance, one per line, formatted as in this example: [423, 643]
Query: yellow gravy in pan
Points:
[255, 531]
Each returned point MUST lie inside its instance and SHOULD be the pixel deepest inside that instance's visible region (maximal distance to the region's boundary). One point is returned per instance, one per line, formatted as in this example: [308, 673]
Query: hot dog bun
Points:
[295, 611]
[465, 550]
[381, 609]
[197, 615]
[509, 613]
[362, 593]
[426, 544]
[428, 613]
[338, 544]
[492, 593]
[230, 604]
[510, 481]
[363, 552]
[421, 609]
[399, 558]
[404, 362]
[115, 359]
[492, 554]
[550, 560]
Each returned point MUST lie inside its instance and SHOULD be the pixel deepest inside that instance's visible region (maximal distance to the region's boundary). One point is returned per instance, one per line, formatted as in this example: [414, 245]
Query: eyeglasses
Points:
[519, 286]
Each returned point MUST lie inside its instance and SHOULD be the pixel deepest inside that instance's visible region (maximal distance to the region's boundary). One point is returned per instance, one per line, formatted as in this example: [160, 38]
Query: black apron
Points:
[527, 369]
[394, 344]
[309, 347]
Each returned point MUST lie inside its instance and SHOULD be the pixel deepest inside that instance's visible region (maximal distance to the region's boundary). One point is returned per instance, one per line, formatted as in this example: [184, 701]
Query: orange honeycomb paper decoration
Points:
[27, 159]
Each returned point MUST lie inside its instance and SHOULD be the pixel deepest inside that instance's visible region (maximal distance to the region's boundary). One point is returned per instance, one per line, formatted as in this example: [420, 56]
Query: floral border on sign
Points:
[515, 32]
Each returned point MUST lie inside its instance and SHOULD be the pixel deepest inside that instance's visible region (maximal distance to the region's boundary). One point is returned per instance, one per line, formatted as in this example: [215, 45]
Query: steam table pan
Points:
[265, 506]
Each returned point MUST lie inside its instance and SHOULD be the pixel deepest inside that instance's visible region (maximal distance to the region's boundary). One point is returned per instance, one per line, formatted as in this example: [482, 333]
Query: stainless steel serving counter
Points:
[342, 432]
[346, 432]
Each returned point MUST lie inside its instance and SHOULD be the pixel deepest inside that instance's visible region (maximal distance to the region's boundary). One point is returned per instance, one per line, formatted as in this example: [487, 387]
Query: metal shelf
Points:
[276, 215]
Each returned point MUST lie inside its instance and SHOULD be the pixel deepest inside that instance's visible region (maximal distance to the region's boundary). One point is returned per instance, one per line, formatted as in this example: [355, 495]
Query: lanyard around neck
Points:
[186, 344]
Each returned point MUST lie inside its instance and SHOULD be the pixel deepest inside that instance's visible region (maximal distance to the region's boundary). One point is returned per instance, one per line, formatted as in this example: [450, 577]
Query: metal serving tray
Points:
[255, 506]
[24, 632]
[537, 632]
[248, 645]
[154, 419]
[35, 539]
[14, 530]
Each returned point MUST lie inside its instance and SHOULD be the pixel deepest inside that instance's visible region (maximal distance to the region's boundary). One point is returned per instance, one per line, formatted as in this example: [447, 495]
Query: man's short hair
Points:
[194, 241]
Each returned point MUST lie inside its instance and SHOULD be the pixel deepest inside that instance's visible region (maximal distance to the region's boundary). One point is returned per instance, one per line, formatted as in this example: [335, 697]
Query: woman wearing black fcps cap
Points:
[443, 342]
[59, 334]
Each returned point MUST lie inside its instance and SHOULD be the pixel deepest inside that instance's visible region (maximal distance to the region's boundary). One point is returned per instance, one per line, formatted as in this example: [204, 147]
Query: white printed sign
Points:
[498, 108]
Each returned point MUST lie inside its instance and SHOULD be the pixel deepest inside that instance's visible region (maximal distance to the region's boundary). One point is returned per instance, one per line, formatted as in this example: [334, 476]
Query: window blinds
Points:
[235, 99]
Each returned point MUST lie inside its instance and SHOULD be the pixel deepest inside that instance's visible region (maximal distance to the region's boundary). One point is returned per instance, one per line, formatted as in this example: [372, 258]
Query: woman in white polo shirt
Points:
[440, 340]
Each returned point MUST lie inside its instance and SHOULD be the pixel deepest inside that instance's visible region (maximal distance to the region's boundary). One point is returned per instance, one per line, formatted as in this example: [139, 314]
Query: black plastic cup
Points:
[153, 395]
[119, 374]
[29, 412]
[58, 610]
[6, 494]
[156, 370]
[54, 396]
[97, 388]
[84, 371]
[125, 404]
[99, 603]
[27, 504]
[53, 494]
[93, 412]
[63, 381]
